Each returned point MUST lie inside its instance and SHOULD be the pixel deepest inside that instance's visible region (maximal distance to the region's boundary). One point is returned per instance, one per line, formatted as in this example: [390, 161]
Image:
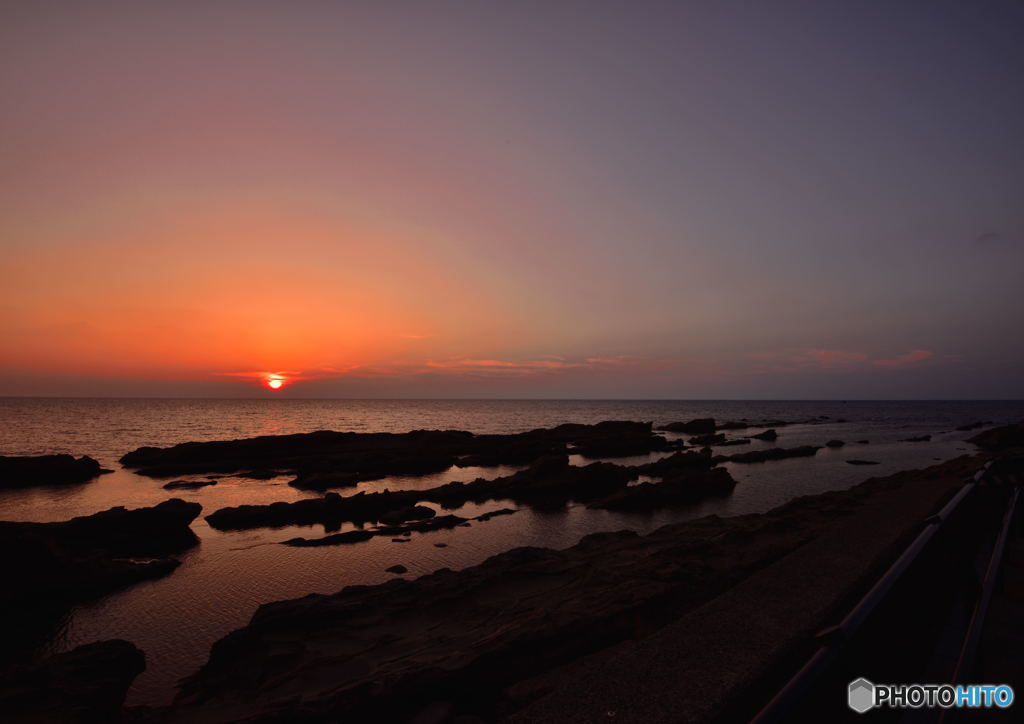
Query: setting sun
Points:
[275, 382]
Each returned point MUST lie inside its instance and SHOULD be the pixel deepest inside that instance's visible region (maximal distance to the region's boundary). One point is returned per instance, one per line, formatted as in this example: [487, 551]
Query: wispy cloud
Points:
[910, 359]
[833, 360]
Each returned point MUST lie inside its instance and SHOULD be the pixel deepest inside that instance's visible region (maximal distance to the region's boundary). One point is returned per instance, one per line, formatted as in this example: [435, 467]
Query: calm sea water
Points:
[222, 580]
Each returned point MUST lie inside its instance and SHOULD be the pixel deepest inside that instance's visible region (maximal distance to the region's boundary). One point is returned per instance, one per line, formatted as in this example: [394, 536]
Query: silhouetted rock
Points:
[775, 453]
[863, 442]
[863, 462]
[767, 435]
[85, 685]
[1006, 437]
[25, 472]
[549, 482]
[921, 438]
[733, 426]
[47, 567]
[325, 459]
[704, 440]
[328, 480]
[687, 489]
[337, 539]
[188, 484]
[700, 426]
[973, 426]
[736, 441]
[261, 474]
[495, 514]
[834, 443]
[389, 652]
[397, 569]
[412, 512]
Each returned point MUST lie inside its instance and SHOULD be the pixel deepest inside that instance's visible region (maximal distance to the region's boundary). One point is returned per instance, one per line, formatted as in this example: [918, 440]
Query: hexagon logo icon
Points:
[861, 695]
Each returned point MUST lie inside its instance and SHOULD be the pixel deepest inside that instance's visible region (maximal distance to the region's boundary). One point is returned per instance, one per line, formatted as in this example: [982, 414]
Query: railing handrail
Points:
[833, 639]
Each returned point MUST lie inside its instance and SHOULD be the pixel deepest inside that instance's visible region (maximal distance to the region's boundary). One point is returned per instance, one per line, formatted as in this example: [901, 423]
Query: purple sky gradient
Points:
[530, 199]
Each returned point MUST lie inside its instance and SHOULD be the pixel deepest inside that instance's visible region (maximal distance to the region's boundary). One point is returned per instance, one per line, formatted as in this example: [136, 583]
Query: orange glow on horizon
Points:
[275, 382]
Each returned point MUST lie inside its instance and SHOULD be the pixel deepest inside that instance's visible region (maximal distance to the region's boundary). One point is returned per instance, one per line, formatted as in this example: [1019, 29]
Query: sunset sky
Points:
[524, 199]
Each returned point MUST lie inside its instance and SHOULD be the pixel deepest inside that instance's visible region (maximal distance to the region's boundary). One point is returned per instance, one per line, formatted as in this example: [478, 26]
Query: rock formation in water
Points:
[84, 686]
[325, 459]
[700, 426]
[25, 472]
[188, 484]
[456, 644]
[549, 482]
[47, 567]
[774, 453]
[1007, 437]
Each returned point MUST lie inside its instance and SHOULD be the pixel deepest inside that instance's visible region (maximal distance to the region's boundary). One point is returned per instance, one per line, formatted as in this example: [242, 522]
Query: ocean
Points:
[229, 574]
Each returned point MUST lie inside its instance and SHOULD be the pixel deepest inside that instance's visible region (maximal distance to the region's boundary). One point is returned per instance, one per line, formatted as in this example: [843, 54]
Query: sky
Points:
[687, 200]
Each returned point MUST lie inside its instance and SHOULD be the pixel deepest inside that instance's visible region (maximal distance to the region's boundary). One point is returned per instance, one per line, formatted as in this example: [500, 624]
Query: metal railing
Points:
[834, 640]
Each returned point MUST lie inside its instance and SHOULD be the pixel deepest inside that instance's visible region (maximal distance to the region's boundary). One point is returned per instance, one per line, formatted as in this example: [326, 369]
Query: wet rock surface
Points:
[25, 472]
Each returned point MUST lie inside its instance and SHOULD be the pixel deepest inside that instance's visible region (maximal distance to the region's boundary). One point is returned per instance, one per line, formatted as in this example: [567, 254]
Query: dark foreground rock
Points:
[767, 435]
[47, 567]
[834, 444]
[366, 666]
[24, 472]
[325, 459]
[496, 639]
[862, 462]
[919, 438]
[973, 426]
[85, 685]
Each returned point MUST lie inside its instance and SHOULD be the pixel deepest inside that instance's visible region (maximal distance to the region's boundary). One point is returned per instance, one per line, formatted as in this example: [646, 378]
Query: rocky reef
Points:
[549, 482]
[84, 686]
[1008, 438]
[492, 641]
[24, 472]
[772, 453]
[323, 460]
[49, 566]
[455, 640]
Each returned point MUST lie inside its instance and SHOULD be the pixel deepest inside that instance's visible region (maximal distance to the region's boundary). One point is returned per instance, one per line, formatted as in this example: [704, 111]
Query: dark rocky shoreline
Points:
[449, 644]
[27, 472]
[48, 567]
